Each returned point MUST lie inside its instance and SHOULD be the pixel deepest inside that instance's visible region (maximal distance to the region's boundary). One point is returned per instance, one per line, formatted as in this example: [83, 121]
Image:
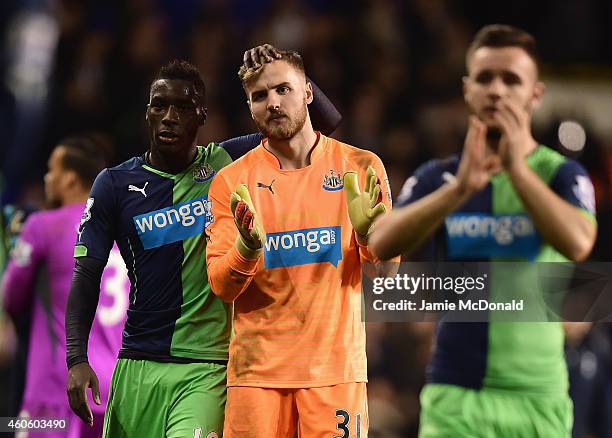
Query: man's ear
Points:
[465, 81]
[538, 92]
[70, 178]
[309, 93]
[248, 101]
[202, 113]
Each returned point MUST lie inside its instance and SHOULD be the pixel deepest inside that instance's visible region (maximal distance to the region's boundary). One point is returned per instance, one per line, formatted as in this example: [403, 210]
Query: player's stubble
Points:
[284, 128]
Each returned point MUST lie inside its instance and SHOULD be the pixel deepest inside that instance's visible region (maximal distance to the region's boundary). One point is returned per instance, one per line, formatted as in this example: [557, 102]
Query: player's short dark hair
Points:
[503, 35]
[291, 57]
[183, 70]
[85, 156]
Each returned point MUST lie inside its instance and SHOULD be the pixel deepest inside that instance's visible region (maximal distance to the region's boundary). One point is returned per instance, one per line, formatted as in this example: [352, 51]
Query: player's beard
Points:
[286, 130]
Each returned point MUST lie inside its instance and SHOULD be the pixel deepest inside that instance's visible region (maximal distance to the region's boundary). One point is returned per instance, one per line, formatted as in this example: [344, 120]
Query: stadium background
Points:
[393, 68]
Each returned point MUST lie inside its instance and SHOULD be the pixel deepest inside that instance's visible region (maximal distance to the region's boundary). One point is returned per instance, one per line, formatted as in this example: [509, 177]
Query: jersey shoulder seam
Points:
[113, 187]
[347, 158]
[245, 161]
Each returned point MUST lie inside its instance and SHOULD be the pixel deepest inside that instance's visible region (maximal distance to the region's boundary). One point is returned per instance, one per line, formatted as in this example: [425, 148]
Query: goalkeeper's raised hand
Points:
[250, 232]
[363, 207]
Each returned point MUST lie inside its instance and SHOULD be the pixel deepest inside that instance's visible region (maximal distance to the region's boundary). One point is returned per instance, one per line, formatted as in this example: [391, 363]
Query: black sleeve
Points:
[238, 146]
[572, 183]
[419, 185]
[324, 115]
[97, 227]
[81, 308]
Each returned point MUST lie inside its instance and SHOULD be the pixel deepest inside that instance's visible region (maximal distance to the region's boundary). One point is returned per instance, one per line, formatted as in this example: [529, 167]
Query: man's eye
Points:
[512, 80]
[283, 90]
[484, 78]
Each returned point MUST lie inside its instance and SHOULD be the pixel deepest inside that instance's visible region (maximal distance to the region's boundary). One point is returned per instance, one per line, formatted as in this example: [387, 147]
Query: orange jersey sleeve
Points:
[297, 310]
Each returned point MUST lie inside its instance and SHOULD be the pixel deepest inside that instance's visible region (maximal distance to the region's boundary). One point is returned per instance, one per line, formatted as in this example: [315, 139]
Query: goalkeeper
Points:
[288, 252]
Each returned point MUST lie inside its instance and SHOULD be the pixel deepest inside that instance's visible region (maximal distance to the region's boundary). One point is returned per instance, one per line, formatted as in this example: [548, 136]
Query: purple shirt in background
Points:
[44, 251]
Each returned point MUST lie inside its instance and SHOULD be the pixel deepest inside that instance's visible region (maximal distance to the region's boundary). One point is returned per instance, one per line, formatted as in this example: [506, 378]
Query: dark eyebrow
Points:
[484, 71]
[512, 75]
[503, 73]
[282, 84]
[171, 99]
[273, 87]
[260, 92]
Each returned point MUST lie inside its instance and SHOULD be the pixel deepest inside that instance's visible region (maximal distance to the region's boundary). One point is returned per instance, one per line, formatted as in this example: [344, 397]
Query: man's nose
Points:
[496, 88]
[273, 103]
[171, 116]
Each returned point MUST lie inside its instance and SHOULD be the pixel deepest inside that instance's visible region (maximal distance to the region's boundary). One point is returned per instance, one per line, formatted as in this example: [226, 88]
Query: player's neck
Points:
[295, 152]
[172, 162]
[76, 197]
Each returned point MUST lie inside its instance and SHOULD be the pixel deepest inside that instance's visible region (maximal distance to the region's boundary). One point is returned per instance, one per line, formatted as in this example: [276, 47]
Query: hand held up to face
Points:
[516, 140]
[476, 167]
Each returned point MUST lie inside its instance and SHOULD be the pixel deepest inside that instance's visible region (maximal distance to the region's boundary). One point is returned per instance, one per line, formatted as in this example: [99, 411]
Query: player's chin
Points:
[286, 131]
[273, 134]
[488, 118]
[170, 144]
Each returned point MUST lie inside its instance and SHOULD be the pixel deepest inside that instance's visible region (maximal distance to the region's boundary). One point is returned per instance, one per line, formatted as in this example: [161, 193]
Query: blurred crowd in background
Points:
[393, 68]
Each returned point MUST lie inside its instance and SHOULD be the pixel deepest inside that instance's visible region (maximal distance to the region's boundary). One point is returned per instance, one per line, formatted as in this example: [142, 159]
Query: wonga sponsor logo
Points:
[303, 247]
[484, 235]
[172, 224]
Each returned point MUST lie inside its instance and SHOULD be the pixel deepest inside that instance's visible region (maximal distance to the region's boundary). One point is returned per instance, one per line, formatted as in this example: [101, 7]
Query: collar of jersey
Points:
[318, 150]
[199, 153]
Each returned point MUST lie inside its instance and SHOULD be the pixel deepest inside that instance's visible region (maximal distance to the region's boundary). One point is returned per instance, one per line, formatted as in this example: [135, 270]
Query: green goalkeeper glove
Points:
[250, 232]
[363, 207]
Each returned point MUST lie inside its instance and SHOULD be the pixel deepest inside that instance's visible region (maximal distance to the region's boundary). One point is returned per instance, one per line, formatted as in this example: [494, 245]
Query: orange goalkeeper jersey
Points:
[297, 309]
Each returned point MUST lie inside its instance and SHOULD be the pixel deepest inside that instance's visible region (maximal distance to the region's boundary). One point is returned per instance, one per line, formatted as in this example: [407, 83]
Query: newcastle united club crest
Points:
[203, 172]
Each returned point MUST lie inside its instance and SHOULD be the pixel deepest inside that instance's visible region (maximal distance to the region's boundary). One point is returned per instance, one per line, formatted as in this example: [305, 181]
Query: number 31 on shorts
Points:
[343, 424]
